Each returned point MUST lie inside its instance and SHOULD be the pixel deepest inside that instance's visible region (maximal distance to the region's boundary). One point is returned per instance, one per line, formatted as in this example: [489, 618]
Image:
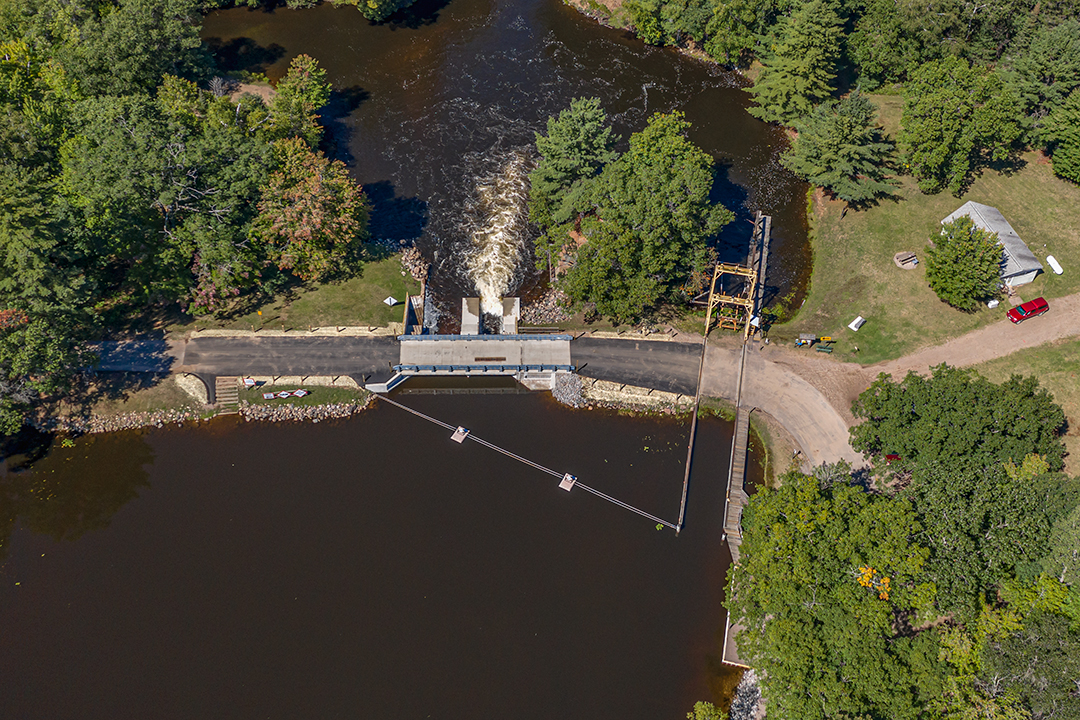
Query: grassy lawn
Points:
[1057, 365]
[854, 273]
[320, 395]
[354, 302]
[120, 393]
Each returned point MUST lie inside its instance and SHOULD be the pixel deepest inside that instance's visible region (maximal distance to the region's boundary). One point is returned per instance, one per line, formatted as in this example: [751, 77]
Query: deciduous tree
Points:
[825, 571]
[1040, 663]
[958, 414]
[649, 221]
[964, 264]
[956, 117]
[312, 215]
[981, 524]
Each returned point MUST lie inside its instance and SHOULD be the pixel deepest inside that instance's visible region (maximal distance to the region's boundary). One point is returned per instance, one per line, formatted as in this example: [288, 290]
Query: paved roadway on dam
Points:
[814, 423]
[661, 365]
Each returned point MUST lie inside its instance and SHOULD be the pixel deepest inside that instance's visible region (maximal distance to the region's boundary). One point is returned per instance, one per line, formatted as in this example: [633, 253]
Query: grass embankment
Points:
[354, 302]
[854, 272]
[1057, 365]
[318, 395]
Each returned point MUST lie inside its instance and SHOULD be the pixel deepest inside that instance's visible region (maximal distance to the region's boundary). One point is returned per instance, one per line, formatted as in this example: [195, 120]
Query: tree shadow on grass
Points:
[1007, 166]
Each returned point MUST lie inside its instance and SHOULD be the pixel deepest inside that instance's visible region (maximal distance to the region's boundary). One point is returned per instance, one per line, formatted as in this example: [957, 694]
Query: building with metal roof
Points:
[1018, 264]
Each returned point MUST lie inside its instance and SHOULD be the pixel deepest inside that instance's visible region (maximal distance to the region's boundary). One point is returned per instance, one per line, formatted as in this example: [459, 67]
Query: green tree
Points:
[312, 215]
[957, 414]
[299, 97]
[826, 569]
[981, 524]
[799, 74]
[964, 264]
[731, 31]
[41, 353]
[1063, 557]
[1062, 132]
[649, 221]
[706, 711]
[1047, 71]
[125, 46]
[892, 38]
[1040, 663]
[840, 147]
[956, 116]
[578, 144]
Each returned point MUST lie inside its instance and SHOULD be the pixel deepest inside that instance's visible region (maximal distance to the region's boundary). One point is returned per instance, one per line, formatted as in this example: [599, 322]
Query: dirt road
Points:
[810, 394]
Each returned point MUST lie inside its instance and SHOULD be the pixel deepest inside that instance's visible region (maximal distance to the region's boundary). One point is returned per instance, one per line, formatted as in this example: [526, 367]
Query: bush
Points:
[964, 265]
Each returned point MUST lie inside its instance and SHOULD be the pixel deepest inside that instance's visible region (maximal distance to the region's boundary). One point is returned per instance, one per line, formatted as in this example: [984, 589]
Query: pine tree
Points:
[964, 265]
[577, 146]
[1047, 71]
[841, 148]
[800, 72]
[1062, 131]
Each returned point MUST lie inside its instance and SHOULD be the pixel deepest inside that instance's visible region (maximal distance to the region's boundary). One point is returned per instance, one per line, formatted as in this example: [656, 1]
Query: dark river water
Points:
[368, 568]
[432, 106]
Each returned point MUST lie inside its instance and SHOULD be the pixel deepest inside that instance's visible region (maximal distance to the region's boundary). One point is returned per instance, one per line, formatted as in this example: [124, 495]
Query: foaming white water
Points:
[498, 237]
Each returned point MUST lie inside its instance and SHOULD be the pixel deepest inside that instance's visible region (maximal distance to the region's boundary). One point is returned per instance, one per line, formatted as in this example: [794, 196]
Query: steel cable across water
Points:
[528, 462]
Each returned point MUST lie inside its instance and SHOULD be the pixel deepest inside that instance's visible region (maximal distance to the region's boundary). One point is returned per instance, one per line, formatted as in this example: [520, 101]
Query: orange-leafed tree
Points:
[312, 216]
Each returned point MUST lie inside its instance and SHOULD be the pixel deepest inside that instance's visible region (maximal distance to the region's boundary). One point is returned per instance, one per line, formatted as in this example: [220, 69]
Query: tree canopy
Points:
[826, 569]
[646, 220]
[929, 595]
[963, 265]
[956, 116]
[1062, 131]
[957, 414]
[578, 145]
[982, 524]
[800, 73]
[841, 148]
[128, 187]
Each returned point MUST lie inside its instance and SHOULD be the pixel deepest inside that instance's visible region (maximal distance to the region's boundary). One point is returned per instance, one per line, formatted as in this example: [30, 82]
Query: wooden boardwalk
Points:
[736, 495]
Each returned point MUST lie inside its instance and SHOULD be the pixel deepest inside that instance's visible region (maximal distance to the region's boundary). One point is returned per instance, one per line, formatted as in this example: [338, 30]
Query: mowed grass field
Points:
[854, 273]
[1057, 365]
[354, 302]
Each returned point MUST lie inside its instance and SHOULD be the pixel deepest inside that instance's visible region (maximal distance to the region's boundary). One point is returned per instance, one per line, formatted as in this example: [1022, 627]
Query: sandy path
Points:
[993, 341]
[811, 394]
[804, 411]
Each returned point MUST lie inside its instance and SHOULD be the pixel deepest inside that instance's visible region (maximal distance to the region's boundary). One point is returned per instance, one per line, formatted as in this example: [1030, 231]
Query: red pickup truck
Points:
[1030, 309]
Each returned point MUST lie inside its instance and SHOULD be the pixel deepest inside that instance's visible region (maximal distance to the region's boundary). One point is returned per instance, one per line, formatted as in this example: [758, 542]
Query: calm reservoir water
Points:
[371, 568]
[435, 106]
[368, 568]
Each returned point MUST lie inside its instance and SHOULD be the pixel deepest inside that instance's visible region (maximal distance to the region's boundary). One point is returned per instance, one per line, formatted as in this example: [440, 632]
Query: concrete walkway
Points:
[802, 409]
